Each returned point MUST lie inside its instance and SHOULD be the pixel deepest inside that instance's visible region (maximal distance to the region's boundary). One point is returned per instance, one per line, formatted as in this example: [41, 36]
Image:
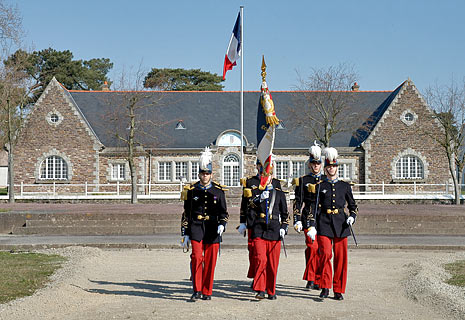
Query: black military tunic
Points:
[251, 183]
[333, 196]
[264, 223]
[204, 210]
[306, 189]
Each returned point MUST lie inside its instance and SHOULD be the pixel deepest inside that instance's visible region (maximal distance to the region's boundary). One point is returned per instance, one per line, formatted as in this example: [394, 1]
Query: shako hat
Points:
[330, 156]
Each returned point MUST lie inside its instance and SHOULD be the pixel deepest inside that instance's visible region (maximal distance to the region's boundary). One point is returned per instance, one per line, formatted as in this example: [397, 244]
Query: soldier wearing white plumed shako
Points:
[332, 226]
[203, 222]
[267, 218]
[306, 190]
[248, 184]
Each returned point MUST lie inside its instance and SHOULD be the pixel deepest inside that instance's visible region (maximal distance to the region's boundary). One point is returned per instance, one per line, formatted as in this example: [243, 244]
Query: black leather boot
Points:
[324, 293]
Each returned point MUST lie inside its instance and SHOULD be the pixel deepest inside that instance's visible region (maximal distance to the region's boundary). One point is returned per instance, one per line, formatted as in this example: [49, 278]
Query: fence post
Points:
[54, 188]
[447, 188]
[86, 189]
[414, 187]
[383, 187]
[117, 188]
[22, 188]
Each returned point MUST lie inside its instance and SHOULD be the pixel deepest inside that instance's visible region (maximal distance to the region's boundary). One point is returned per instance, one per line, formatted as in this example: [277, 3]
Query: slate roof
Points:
[207, 114]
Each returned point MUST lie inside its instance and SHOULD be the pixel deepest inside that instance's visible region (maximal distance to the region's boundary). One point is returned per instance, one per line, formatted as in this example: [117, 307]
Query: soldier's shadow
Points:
[181, 290]
[171, 290]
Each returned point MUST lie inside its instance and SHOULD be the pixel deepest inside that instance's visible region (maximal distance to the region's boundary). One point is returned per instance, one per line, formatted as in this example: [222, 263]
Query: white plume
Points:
[315, 151]
[330, 154]
[205, 158]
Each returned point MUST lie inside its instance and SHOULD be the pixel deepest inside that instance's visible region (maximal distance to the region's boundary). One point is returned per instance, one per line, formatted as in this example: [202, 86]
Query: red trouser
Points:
[339, 245]
[312, 259]
[267, 259]
[203, 262]
[252, 264]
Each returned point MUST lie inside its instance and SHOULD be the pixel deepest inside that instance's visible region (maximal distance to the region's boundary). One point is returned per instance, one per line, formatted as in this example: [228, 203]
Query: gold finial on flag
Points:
[263, 68]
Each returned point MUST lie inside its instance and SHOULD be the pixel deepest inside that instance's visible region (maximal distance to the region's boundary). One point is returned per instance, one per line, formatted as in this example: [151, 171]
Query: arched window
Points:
[231, 170]
[409, 167]
[54, 168]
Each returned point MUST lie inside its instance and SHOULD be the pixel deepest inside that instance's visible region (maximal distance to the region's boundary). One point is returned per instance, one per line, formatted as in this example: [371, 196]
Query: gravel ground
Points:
[154, 284]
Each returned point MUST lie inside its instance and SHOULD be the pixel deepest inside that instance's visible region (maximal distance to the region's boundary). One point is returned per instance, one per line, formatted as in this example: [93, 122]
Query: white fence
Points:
[118, 190]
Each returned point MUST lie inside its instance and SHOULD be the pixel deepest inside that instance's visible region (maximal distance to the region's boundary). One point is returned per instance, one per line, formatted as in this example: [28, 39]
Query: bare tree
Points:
[323, 102]
[11, 30]
[128, 120]
[15, 86]
[448, 103]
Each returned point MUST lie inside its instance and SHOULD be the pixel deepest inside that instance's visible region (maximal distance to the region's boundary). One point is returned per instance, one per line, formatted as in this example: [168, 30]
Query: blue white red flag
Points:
[266, 123]
[234, 49]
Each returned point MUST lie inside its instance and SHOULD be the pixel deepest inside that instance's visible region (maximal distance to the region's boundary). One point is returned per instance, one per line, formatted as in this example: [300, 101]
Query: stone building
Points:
[74, 138]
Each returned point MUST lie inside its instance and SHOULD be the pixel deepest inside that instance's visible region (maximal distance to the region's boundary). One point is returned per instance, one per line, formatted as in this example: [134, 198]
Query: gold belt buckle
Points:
[335, 211]
[262, 215]
[200, 217]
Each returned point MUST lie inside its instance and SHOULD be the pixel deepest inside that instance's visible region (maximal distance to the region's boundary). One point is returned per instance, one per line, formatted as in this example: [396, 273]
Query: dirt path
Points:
[154, 284]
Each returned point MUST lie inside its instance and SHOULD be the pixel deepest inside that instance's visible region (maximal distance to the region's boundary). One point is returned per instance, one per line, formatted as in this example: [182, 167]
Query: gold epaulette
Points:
[220, 186]
[247, 193]
[243, 182]
[311, 188]
[296, 181]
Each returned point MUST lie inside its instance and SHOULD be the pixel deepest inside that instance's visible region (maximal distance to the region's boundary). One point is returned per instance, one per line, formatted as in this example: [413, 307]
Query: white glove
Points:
[312, 233]
[242, 228]
[220, 230]
[350, 220]
[185, 241]
[282, 233]
[265, 195]
[298, 226]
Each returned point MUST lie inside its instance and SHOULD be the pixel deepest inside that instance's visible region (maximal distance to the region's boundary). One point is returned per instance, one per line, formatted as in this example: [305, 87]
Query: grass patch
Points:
[457, 270]
[23, 273]
[3, 191]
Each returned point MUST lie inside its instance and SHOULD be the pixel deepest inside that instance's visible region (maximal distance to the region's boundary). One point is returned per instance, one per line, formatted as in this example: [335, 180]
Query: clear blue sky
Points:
[386, 41]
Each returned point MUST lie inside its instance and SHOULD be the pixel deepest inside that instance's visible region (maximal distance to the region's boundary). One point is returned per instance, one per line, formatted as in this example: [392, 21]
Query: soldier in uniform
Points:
[268, 219]
[306, 190]
[251, 183]
[203, 222]
[333, 227]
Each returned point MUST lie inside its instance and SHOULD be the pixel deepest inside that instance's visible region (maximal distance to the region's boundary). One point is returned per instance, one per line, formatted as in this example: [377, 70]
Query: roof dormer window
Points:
[180, 125]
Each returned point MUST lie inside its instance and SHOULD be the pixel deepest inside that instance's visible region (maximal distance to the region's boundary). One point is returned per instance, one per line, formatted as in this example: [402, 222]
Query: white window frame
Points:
[194, 170]
[120, 171]
[164, 171]
[181, 170]
[56, 168]
[281, 171]
[296, 171]
[231, 168]
[409, 167]
[345, 171]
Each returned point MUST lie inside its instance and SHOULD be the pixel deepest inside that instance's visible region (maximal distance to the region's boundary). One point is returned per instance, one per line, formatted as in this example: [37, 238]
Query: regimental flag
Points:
[234, 49]
[266, 123]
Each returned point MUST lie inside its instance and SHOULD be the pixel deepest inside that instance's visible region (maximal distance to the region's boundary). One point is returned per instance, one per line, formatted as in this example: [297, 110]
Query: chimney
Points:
[355, 87]
[105, 86]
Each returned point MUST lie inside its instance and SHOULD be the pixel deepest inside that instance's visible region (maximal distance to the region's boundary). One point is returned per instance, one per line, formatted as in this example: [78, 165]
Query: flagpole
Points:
[242, 92]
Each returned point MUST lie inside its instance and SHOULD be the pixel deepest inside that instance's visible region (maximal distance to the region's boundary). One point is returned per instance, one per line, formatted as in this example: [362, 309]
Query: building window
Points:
[54, 168]
[54, 118]
[118, 171]
[194, 170]
[408, 117]
[181, 170]
[180, 125]
[409, 167]
[344, 171]
[298, 168]
[231, 170]
[164, 171]
[282, 170]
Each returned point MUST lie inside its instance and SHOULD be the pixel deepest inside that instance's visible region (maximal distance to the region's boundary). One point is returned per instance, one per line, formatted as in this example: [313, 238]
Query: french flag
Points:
[234, 49]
